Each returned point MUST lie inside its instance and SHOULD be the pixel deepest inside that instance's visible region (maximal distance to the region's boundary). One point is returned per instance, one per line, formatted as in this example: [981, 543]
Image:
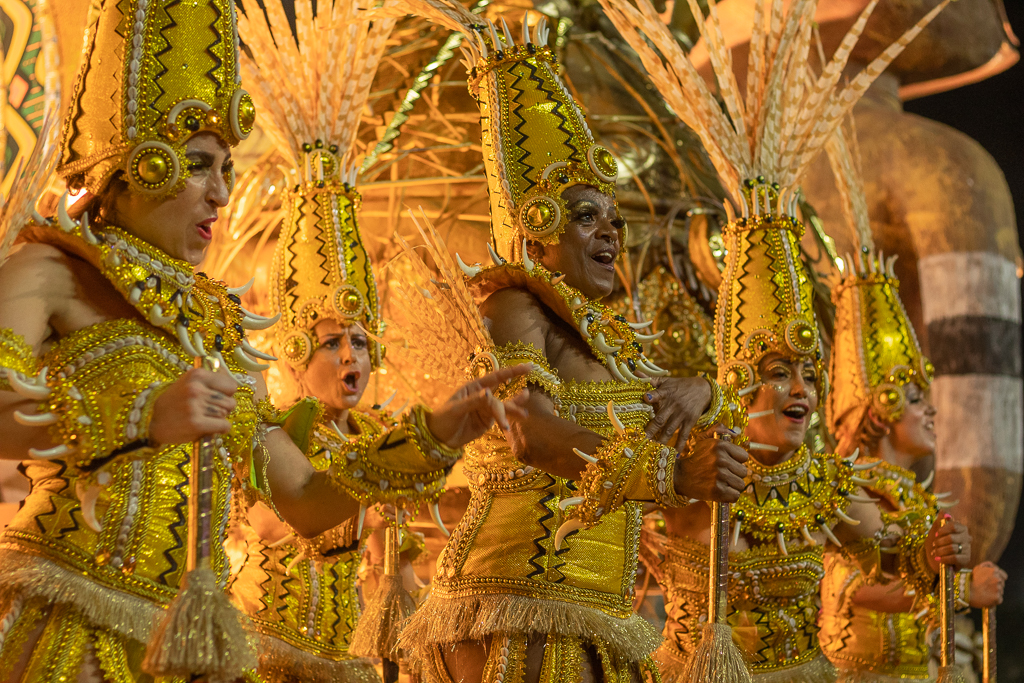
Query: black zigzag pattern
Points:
[181, 512]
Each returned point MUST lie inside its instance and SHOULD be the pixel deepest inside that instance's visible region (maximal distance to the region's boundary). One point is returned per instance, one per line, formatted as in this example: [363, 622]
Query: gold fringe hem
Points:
[281, 661]
[855, 676]
[449, 620]
[30, 576]
[672, 664]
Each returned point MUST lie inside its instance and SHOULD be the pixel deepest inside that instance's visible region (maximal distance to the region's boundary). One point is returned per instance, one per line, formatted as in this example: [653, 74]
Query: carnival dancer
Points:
[875, 627]
[101, 318]
[301, 594]
[537, 578]
[795, 502]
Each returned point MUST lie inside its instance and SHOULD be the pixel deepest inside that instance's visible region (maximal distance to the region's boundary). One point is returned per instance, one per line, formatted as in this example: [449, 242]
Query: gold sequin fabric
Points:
[153, 75]
[861, 640]
[500, 572]
[16, 357]
[773, 601]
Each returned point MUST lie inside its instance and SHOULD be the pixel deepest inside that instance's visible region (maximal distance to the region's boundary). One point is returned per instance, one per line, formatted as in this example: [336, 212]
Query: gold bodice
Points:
[143, 508]
[859, 639]
[773, 599]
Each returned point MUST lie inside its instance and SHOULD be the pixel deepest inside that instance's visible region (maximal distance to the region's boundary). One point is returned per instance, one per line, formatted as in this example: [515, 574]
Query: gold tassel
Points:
[717, 658]
[376, 635]
[201, 632]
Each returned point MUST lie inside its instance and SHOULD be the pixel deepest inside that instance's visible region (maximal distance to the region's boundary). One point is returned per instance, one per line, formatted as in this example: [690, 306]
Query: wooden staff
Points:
[948, 672]
[988, 636]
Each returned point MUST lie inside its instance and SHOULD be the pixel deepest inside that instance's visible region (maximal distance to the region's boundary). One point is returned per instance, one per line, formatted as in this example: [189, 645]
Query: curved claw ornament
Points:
[620, 429]
[87, 501]
[295, 560]
[39, 419]
[49, 453]
[829, 535]
[435, 514]
[497, 260]
[255, 353]
[359, 522]
[566, 502]
[241, 291]
[34, 388]
[847, 518]
[469, 271]
[602, 344]
[649, 337]
[589, 458]
[246, 362]
[568, 526]
[527, 262]
[640, 325]
[928, 482]
[63, 219]
[251, 322]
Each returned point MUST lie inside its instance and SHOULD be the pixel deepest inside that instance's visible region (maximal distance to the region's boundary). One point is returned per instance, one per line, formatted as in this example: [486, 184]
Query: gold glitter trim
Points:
[280, 661]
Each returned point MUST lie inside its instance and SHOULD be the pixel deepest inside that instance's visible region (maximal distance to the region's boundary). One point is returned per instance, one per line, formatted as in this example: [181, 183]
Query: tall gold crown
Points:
[535, 138]
[771, 131]
[766, 299]
[313, 88]
[153, 75]
[875, 352]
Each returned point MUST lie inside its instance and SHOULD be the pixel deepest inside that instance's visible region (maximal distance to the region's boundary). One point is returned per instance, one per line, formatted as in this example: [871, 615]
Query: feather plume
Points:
[435, 307]
[313, 85]
[844, 159]
[787, 113]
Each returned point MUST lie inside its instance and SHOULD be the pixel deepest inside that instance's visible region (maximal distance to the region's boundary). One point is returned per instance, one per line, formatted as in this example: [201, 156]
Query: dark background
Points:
[992, 112]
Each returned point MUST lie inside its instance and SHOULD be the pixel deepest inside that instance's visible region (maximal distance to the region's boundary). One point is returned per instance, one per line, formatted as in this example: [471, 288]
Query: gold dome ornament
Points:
[171, 72]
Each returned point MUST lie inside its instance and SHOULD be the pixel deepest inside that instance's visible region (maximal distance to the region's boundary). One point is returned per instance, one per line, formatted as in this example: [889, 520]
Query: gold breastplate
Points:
[143, 509]
[505, 541]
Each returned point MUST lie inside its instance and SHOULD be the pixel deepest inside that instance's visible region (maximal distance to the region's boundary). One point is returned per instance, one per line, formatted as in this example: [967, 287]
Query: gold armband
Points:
[913, 561]
[627, 467]
[519, 353]
[95, 426]
[406, 462]
[17, 359]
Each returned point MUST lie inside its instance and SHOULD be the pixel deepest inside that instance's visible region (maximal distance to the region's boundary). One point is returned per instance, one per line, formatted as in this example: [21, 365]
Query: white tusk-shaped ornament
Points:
[254, 316]
[567, 528]
[241, 291]
[49, 453]
[762, 413]
[36, 419]
[620, 429]
[87, 502]
[527, 263]
[498, 261]
[749, 390]
[86, 232]
[361, 517]
[650, 368]
[435, 514]
[829, 535]
[136, 294]
[640, 326]
[649, 337]
[246, 362]
[781, 540]
[575, 500]
[295, 560]
[557, 280]
[584, 327]
[334, 426]
[847, 518]
[589, 458]
[865, 466]
[603, 346]
[63, 219]
[753, 445]
[26, 388]
[255, 353]
[387, 402]
[223, 363]
[396, 413]
[613, 367]
[853, 456]
[627, 373]
[259, 323]
[282, 541]
[469, 271]
[805, 532]
[736, 533]
[860, 481]
[861, 499]
[945, 505]
[944, 494]
[197, 341]
[157, 317]
[928, 482]
[184, 340]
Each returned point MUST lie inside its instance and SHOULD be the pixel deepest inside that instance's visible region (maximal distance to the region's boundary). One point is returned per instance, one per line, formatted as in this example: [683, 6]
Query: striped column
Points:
[972, 309]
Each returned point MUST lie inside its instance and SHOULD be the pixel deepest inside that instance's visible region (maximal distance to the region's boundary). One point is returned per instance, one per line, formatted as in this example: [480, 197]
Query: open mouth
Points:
[205, 228]
[351, 381]
[606, 257]
[796, 412]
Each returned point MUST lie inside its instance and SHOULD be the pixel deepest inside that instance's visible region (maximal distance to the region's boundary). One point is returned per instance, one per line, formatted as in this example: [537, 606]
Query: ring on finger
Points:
[959, 548]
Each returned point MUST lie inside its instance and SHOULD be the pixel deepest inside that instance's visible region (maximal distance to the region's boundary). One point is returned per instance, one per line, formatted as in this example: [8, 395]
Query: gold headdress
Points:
[535, 136]
[760, 144]
[313, 88]
[153, 75]
[875, 352]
